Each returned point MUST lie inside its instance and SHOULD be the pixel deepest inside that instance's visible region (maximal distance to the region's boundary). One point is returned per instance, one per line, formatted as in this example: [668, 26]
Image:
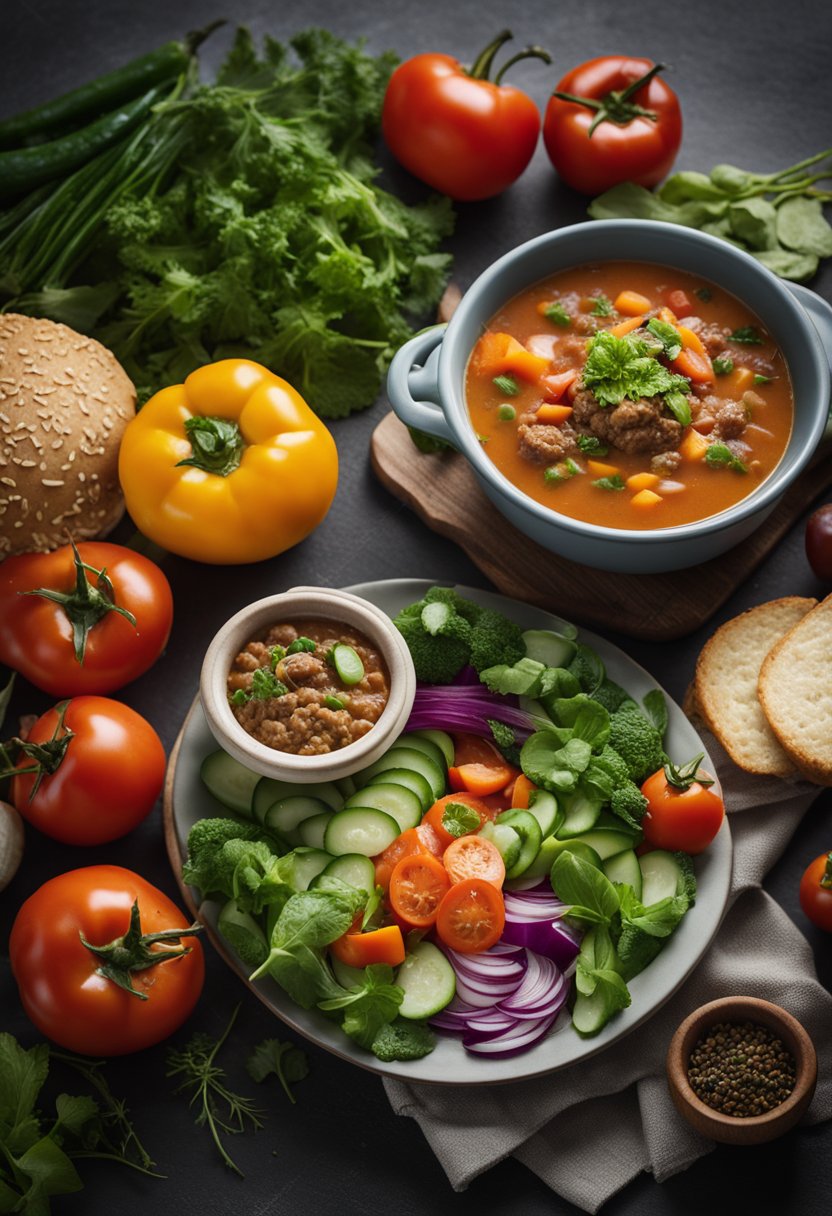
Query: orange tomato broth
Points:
[706, 490]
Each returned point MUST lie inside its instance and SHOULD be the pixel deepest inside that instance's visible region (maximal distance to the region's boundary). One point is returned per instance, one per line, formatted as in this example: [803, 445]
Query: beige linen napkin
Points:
[589, 1129]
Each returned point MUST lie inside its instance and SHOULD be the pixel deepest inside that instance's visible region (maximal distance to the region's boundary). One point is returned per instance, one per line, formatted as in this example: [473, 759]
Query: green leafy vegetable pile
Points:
[776, 217]
[259, 231]
[445, 632]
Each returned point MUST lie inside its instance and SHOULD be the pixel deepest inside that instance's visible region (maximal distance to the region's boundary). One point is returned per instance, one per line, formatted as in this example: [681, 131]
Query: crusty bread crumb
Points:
[725, 687]
[795, 691]
[64, 404]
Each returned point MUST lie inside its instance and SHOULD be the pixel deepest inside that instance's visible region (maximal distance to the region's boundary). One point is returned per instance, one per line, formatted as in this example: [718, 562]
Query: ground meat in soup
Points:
[545, 444]
[633, 426]
[306, 719]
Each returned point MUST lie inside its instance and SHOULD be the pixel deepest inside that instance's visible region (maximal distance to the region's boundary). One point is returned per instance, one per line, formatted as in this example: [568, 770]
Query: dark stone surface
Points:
[754, 84]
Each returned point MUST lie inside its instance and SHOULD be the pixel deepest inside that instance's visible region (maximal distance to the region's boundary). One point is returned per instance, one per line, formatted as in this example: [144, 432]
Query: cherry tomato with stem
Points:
[816, 892]
[105, 963]
[612, 119]
[457, 130]
[86, 618]
[683, 812]
[89, 771]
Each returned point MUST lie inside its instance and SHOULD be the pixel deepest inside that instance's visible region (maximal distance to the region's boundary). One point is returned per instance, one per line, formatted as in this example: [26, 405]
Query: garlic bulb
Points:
[11, 843]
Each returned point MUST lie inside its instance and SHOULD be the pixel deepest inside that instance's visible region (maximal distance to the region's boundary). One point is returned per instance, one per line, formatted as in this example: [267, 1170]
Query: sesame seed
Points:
[51, 481]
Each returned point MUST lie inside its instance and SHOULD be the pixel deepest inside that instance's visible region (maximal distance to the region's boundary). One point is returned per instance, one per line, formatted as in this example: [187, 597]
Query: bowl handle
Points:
[413, 384]
[820, 313]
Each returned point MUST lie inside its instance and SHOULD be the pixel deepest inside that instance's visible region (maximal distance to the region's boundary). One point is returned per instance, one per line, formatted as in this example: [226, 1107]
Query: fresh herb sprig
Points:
[776, 217]
[279, 1058]
[224, 1112]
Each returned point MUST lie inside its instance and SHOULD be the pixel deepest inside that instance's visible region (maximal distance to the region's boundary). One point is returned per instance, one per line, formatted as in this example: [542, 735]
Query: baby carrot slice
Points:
[553, 414]
[385, 945]
[417, 887]
[631, 303]
[626, 327]
[474, 857]
[598, 469]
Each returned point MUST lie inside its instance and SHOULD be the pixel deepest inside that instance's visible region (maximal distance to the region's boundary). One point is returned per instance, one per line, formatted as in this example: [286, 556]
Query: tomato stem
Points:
[683, 776]
[131, 952]
[616, 106]
[826, 876]
[47, 756]
[86, 604]
[481, 66]
[530, 52]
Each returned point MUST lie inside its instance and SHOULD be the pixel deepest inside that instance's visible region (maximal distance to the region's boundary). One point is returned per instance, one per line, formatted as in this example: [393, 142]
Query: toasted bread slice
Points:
[725, 687]
[795, 691]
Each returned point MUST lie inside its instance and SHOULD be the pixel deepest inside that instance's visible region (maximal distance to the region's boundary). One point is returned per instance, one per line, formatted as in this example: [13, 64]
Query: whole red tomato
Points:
[65, 617]
[455, 129]
[682, 813]
[68, 931]
[612, 120]
[816, 892]
[103, 769]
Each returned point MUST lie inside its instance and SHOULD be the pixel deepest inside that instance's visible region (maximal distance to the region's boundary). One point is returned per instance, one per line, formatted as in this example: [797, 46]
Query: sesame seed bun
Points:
[64, 404]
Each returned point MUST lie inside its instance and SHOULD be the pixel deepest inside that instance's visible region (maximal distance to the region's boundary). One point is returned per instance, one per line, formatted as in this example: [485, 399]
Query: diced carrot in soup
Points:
[554, 414]
[598, 469]
[555, 386]
[740, 379]
[626, 327]
[645, 499]
[643, 481]
[631, 303]
[693, 446]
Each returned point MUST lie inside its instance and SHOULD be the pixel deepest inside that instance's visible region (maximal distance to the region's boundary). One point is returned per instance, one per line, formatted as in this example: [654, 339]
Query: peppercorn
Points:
[741, 1069]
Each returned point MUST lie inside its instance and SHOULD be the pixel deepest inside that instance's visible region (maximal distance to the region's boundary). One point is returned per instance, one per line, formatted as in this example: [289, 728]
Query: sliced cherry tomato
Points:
[522, 791]
[85, 619]
[474, 857]
[478, 766]
[384, 945]
[612, 120]
[417, 886]
[816, 892]
[471, 917]
[76, 923]
[684, 818]
[103, 767]
[421, 839]
[436, 814]
[454, 128]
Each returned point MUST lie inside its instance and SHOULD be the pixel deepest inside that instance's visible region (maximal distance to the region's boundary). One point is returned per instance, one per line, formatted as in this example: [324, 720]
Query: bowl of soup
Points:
[633, 395]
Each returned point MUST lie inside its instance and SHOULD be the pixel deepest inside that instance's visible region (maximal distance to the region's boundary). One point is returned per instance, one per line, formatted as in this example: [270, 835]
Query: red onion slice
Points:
[520, 1037]
[541, 993]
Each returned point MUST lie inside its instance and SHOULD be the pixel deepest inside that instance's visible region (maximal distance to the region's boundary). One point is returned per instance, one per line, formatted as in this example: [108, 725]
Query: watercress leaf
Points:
[799, 267]
[51, 1173]
[578, 883]
[376, 1004]
[731, 180]
[754, 221]
[553, 768]
[655, 709]
[628, 201]
[802, 226]
[682, 187]
[585, 717]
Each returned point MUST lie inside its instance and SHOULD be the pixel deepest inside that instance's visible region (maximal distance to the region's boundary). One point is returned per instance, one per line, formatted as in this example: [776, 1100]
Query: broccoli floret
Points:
[687, 882]
[506, 740]
[636, 950]
[403, 1040]
[214, 846]
[446, 595]
[437, 659]
[209, 835]
[637, 741]
[613, 764]
[495, 639]
[629, 804]
[611, 695]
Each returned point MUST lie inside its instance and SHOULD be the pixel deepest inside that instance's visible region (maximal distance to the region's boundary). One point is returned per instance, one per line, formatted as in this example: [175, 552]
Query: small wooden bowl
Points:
[729, 1129]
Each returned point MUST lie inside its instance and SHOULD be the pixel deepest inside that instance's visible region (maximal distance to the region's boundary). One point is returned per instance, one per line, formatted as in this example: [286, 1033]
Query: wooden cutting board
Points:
[443, 491]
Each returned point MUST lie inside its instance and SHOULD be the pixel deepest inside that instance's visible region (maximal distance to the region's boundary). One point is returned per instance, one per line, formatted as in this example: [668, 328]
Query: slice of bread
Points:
[725, 687]
[795, 691]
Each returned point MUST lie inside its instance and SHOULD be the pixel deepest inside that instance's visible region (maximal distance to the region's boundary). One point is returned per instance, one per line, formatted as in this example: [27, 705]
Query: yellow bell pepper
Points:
[231, 466]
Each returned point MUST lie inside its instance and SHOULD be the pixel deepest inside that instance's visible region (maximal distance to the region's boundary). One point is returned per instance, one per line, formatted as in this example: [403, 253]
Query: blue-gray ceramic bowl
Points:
[426, 384]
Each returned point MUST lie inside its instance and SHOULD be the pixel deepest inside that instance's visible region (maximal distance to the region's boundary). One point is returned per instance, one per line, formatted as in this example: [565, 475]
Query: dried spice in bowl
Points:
[741, 1069]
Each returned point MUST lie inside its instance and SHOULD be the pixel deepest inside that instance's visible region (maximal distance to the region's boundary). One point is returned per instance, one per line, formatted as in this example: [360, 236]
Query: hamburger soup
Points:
[308, 687]
[630, 396]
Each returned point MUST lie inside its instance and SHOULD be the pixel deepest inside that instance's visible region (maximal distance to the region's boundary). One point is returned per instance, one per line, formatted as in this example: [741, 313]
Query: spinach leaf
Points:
[801, 226]
[788, 264]
[655, 709]
[592, 896]
[754, 221]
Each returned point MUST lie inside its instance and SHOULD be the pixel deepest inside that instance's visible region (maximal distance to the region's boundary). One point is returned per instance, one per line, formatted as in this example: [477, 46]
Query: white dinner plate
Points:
[187, 799]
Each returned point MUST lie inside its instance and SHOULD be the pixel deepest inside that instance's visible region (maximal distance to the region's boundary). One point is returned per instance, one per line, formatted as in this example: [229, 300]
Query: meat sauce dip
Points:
[681, 408]
[298, 688]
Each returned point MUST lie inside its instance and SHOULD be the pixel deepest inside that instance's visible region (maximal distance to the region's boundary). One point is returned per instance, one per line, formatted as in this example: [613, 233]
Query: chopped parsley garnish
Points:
[723, 367]
[506, 413]
[619, 369]
[705, 294]
[602, 307]
[721, 457]
[458, 819]
[592, 445]
[482, 438]
[276, 653]
[301, 645]
[562, 471]
[749, 335]
[668, 335]
[558, 315]
[615, 482]
[759, 378]
[264, 685]
[507, 385]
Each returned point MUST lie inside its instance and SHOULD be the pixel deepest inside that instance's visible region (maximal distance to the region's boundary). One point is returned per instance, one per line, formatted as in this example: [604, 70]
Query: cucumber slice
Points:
[312, 831]
[607, 821]
[504, 837]
[230, 782]
[354, 868]
[540, 867]
[531, 838]
[550, 649]
[591, 1013]
[411, 758]
[624, 867]
[544, 807]
[411, 781]
[580, 814]
[345, 786]
[309, 863]
[284, 816]
[660, 875]
[395, 800]
[428, 982]
[418, 741]
[360, 830]
[605, 841]
[575, 845]
[440, 738]
[243, 934]
[268, 791]
[347, 662]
